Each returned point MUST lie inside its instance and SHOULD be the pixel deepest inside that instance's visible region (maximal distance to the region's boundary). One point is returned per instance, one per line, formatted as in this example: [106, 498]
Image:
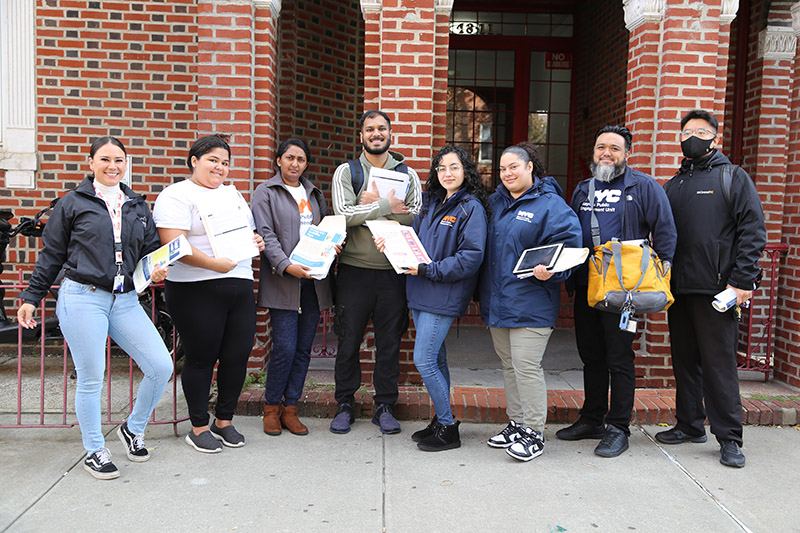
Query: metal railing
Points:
[59, 415]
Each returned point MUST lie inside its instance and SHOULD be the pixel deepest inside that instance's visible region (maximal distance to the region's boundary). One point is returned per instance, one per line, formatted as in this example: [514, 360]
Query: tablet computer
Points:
[541, 255]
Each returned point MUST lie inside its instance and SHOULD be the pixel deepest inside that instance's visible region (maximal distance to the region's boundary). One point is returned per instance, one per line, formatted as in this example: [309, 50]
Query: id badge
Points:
[119, 283]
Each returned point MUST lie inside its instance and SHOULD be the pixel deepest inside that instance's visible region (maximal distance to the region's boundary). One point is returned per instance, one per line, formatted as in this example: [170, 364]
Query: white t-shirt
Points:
[301, 199]
[176, 208]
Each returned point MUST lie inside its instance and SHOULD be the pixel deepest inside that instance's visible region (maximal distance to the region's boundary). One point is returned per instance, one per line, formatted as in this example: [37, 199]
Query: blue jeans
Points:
[87, 315]
[292, 336]
[430, 357]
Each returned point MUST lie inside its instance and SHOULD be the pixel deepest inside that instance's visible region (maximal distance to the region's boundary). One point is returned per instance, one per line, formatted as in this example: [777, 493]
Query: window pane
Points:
[486, 64]
[540, 96]
[465, 64]
[538, 70]
[560, 100]
[505, 65]
[558, 160]
[559, 128]
[537, 128]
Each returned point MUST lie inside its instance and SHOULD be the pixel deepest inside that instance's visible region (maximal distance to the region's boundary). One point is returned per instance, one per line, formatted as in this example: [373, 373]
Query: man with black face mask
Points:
[629, 205]
[721, 236]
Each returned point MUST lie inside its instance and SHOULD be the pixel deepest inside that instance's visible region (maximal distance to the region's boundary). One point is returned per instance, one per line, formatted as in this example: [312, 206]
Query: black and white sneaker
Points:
[529, 446]
[100, 466]
[134, 444]
[507, 437]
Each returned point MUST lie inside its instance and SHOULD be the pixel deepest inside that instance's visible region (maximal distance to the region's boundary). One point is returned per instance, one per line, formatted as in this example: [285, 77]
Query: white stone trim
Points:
[273, 5]
[18, 93]
[776, 43]
[371, 6]
[729, 10]
[637, 12]
[796, 19]
[443, 7]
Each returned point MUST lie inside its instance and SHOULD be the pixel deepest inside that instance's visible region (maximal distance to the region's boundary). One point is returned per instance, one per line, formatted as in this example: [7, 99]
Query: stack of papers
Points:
[166, 255]
[317, 247]
[403, 247]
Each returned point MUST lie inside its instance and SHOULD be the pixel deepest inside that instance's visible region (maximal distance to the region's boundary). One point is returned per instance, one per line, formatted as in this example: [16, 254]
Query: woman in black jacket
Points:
[98, 233]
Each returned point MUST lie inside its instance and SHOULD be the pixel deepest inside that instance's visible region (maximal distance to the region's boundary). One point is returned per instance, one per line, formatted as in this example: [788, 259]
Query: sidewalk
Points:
[366, 482]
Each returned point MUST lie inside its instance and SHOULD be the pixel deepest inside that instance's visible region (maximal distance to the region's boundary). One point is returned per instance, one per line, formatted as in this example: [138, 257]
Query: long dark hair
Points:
[472, 179]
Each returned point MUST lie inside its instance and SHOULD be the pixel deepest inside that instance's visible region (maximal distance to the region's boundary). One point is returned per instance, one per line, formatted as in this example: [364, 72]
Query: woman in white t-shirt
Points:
[283, 207]
[210, 298]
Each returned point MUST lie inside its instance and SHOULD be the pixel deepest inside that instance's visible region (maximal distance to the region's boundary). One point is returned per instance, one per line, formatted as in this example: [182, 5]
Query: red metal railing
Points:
[758, 354]
[66, 420]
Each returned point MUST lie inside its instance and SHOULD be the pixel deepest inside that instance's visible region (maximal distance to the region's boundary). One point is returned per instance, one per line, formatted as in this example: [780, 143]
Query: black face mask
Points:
[695, 148]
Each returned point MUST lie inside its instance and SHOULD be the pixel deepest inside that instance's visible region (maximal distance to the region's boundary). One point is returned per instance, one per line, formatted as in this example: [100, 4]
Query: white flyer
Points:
[403, 247]
[166, 255]
[387, 181]
[317, 246]
[229, 229]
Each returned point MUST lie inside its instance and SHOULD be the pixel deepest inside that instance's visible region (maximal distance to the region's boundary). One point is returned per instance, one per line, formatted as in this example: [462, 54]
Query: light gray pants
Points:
[520, 351]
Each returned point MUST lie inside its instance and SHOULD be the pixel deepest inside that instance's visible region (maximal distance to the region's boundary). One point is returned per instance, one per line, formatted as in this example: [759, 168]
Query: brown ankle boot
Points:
[290, 421]
[272, 424]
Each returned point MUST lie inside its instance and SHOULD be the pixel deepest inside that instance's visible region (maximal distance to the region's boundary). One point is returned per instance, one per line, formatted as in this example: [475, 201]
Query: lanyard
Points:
[115, 212]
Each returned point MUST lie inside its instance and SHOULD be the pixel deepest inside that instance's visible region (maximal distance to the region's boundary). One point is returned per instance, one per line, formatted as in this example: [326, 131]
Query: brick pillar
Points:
[265, 135]
[405, 74]
[236, 94]
[677, 61]
[787, 360]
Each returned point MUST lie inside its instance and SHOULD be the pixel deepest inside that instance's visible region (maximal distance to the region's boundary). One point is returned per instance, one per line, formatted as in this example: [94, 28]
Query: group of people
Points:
[98, 232]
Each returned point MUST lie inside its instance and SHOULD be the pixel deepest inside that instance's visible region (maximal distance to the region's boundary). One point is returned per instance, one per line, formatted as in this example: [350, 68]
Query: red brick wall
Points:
[126, 69]
[601, 63]
[321, 87]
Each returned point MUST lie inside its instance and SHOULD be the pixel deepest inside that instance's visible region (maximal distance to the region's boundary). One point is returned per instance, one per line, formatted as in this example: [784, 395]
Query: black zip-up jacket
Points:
[79, 237]
[718, 244]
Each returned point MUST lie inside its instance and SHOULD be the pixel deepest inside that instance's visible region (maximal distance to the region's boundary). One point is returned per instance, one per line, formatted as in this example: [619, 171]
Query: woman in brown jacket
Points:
[283, 207]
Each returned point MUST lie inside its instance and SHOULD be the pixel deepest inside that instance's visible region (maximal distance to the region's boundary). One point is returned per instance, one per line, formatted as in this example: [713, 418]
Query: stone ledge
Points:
[487, 405]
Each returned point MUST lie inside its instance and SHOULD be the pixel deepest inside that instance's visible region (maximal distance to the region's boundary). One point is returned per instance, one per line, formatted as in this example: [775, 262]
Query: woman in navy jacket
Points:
[452, 228]
[527, 211]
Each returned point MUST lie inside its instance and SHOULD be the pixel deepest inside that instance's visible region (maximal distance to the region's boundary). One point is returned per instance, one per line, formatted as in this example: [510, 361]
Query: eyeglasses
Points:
[452, 168]
[699, 132]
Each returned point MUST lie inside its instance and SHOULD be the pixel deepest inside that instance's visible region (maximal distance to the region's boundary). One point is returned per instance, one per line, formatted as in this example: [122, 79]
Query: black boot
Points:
[443, 438]
[425, 432]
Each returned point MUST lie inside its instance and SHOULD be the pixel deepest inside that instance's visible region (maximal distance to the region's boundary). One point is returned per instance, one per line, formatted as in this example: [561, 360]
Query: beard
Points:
[607, 173]
[377, 151]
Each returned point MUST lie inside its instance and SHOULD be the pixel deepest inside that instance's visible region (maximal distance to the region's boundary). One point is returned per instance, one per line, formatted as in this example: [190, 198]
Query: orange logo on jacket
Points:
[448, 220]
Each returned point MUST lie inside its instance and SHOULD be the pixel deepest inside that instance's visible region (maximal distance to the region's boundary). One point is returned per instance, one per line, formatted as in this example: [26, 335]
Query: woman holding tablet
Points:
[527, 211]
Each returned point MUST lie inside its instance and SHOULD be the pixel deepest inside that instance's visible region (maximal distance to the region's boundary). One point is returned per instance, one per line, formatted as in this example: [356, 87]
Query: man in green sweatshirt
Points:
[366, 284]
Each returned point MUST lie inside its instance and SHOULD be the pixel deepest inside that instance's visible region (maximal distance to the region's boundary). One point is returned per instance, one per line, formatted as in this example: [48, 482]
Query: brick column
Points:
[787, 360]
[225, 93]
[405, 74]
[677, 61]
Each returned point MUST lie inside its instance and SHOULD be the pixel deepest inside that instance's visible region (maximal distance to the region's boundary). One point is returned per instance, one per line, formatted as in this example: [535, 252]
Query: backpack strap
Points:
[726, 178]
[595, 224]
[356, 175]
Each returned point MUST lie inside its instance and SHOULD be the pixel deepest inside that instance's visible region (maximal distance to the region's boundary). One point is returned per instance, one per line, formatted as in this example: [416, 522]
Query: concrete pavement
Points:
[364, 481]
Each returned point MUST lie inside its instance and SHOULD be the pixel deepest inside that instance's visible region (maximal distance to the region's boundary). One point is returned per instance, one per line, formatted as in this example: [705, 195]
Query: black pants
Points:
[607, 355]
[362, 293]
[704, 343]
[217, 322]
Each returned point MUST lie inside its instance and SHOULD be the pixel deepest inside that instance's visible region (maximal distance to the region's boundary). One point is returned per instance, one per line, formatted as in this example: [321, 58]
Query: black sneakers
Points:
[442, 438]
[731, 454]
[100, 466]
[344, 417]
[507, 437]
[676, 436]
[427, 431]
[384, 419]
[134, 444]
[227, 435]
[613, 444]
[581, 430]
[205, 442]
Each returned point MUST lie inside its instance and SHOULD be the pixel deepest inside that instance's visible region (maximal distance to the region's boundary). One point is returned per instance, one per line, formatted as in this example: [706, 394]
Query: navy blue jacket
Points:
[646, 212]
[454, 235]
[539, 216]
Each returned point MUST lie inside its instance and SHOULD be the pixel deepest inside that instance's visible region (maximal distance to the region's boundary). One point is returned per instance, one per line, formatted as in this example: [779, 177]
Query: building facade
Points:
[160, 73]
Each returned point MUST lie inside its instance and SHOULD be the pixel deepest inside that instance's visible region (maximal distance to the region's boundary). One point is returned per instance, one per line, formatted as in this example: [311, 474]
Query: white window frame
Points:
[18, 93]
